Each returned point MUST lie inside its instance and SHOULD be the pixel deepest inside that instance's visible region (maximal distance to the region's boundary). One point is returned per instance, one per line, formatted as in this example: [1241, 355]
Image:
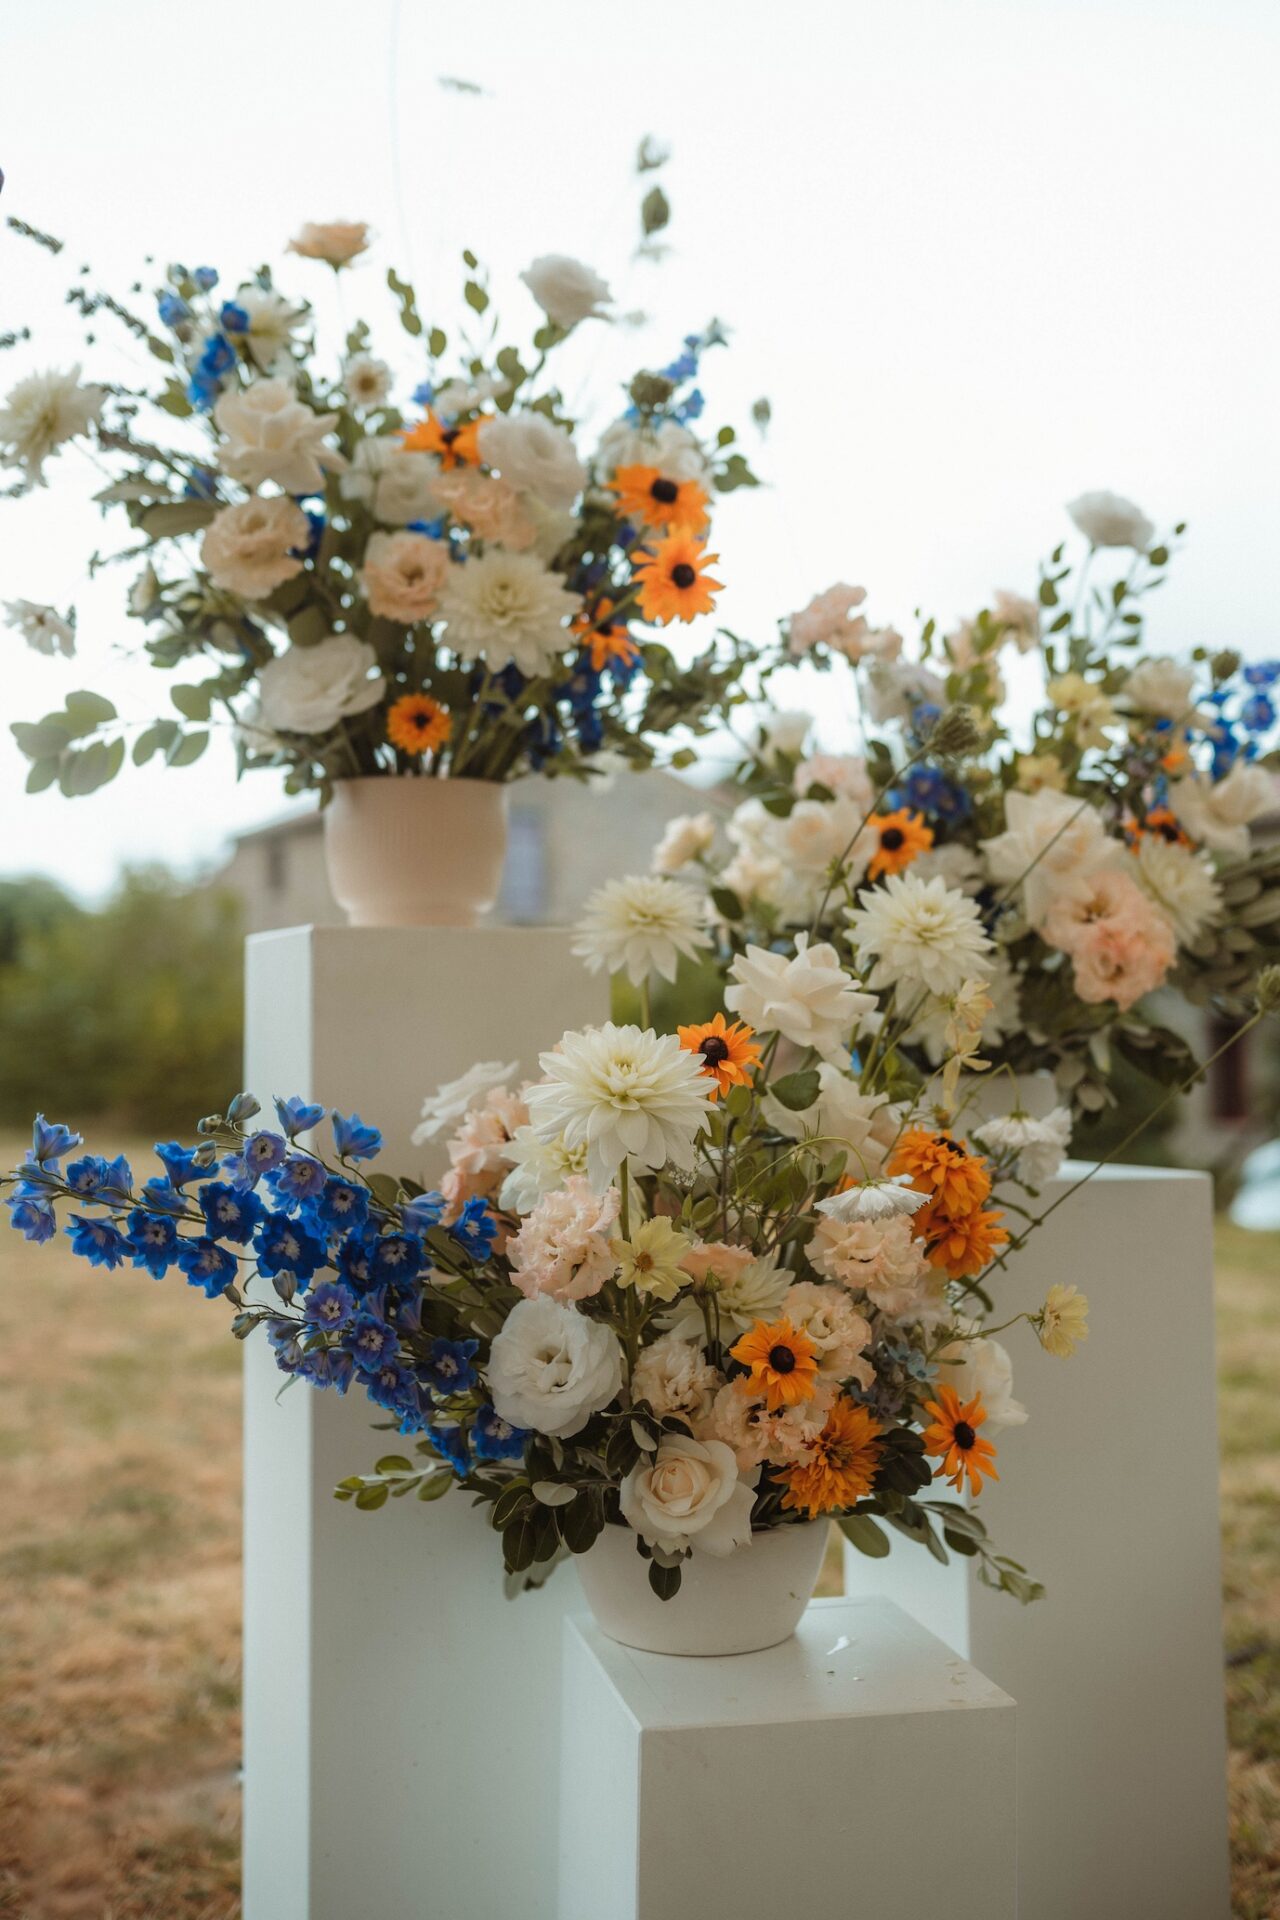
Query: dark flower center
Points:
[892, 838]
[421, 720]
[683, 575]
[1168, 830]
[964, 1435]
[782, 1359]
[714, 1050]
[666, 491]
[449, 435]
[941, 1140]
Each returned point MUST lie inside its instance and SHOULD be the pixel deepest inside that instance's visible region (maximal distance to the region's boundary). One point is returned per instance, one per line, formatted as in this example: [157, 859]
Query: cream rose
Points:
[402, 575]
[270, 435]
[1109, 520]
[689, 1493]
[565, 289]
[309, 689]
[533, 455]
[253, 548]
[551, 1368]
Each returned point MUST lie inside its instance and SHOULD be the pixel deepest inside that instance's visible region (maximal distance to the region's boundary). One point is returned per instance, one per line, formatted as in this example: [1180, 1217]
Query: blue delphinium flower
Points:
[1262, 673]
[343, 1204]
[474, 1229]
[495, 1438]
[354, 1139]
[263, 1152]
[164, 1197]
[1258, 713]
[298, 1180]
[331, 1305]
[283, 1246]
[217, 357]
[50, 1140]
[423, 394]
[228, 1214]
[422, 1213]
[203, 390]
[184, 1163]
[233, 317]
[207, 1265]
[691, 407]
[355, 1261]
[93, 1177]
[370, 1342]
[153, 1241]
[297, 1115]
[206, 278]
[398, 1257]
[173, 310]
[32, 1216]
[328, 1367]
[285, 1340]
[97, 1241]
[390, 1386]
[449, 1367]
[924, 718]
[451, 1444]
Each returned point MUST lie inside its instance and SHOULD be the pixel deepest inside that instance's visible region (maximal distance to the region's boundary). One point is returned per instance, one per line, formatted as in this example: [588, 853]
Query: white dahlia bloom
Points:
[624, 1093]
[271, 435]
[1049, 838]
[43, 628]
[538, 1167]
[1041, 1145]
[507, 610]
[366, 381]
[309, 689]
[550, 1368]
[1219, 813]
[40, 415]
[534, 455]
[809, 999]
[924, 936]
[671, 448]
[566, 290]
[252, 548]
[684, 840]
[1109, 520]
[1182, 883]
[641, 925]
[394, 486]
[981, 1369]
[271, 323]
[452, 1101]
[689, 1493]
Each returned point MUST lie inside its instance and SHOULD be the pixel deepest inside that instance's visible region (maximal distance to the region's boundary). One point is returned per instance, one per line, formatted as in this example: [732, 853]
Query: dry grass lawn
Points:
[119, 1588]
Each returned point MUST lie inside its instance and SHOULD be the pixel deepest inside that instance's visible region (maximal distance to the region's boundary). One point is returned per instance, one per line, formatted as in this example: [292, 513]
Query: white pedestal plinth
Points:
[1109, 1495]
[859, 1768]
[399, 1711]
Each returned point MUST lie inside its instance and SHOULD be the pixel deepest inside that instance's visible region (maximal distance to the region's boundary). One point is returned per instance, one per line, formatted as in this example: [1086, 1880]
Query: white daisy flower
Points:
[1040, 1145]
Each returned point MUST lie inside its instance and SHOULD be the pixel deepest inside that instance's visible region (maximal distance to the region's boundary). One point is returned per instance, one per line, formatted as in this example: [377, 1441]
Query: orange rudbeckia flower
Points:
[727, 1053]
[957, 1181]
[783, 1363]
[954, 1434]
[605, 638]
[673, 581]
[651, 499]
[840, 1467]
[902, 836]
[963, 1243]
[455, 446]
[1164, 823]
[417, 724]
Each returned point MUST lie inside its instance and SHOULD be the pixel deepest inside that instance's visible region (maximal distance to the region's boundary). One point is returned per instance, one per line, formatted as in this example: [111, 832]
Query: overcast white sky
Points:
[980, 256]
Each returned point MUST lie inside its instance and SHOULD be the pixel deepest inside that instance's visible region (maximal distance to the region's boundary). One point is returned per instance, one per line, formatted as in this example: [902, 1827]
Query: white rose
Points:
[689, 1493]
[809, 999]
[551, 1368]
[533, 455]
[309, 689]
[1161, 686]
[671, 448]
[1109, 520]
[1218, 814]
[394, 486]
[271, 435]
[685, 840]
[981, 1369]
[566, 290]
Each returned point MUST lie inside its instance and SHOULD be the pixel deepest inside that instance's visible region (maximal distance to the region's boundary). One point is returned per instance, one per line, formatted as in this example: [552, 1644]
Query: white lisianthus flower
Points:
[366, 381]
[252, 548]
[1109, 520]
[550, 1368]
[842, 1115]
[641, 925]
[625, 1094]
[684, 840]
[1219, 813]
[309, 689]
[1161, 686]
[269, 336]
[669, 447]
[1041, 1145]
[566, 290]
[809, 999]
[687, 1494]
[40, 415]
[271, 435]
[395, 487]
[450, 1102]
[673, 1376]
[982, 1370]
[1049, 838]
[924, 936]
[507, 610]
[538, 1167]
[43, 628]
[467, 396]
[337, 242]
[1182, 883]
[873, 1200]
[403, 574]
[893, 689]
[534, 455]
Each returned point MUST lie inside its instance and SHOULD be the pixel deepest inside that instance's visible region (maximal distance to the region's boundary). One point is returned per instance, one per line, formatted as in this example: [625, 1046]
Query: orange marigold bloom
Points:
[727, 1053]
[783, 1363]
[649, 497]
[606, 638]
[417, 724]
[840, 1467]
[456, 446]
[902, 836]
[673, 581]
[963, 1243]
[954, 1434]
[957, 1181]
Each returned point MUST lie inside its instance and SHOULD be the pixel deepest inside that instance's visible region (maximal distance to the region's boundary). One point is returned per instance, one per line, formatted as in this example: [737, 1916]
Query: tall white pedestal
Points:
[1109, 1495]
[860, 1768]
[401, 1715]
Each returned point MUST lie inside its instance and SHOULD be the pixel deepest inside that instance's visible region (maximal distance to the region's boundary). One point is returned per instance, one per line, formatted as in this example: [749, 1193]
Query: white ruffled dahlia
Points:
[624, 1093]
[641, 925]
[507, 609]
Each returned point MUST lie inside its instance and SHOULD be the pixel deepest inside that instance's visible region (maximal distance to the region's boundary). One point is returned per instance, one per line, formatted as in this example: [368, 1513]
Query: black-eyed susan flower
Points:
[606, 640]
[839, 1467]
[417, 724]
[673, 580]
[954, 1436]
[782, 1363]
[651, 499]
[902, 836]
[728, 1055]
[454, 446]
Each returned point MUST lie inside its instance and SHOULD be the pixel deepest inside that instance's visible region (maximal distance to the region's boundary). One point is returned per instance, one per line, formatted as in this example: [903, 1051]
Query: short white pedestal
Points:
[401, 1715]
[1109, 1495]
[859, 1768]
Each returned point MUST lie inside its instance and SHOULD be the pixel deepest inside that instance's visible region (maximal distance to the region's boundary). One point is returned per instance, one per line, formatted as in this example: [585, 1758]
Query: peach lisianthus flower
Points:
[1122, 961]
[839, 1334]
[562, 1248]
[336, 242]
[252, 548]
[826, 621]
[490, 507]
[479, 1148]
[403, 574]
[1108, 897]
